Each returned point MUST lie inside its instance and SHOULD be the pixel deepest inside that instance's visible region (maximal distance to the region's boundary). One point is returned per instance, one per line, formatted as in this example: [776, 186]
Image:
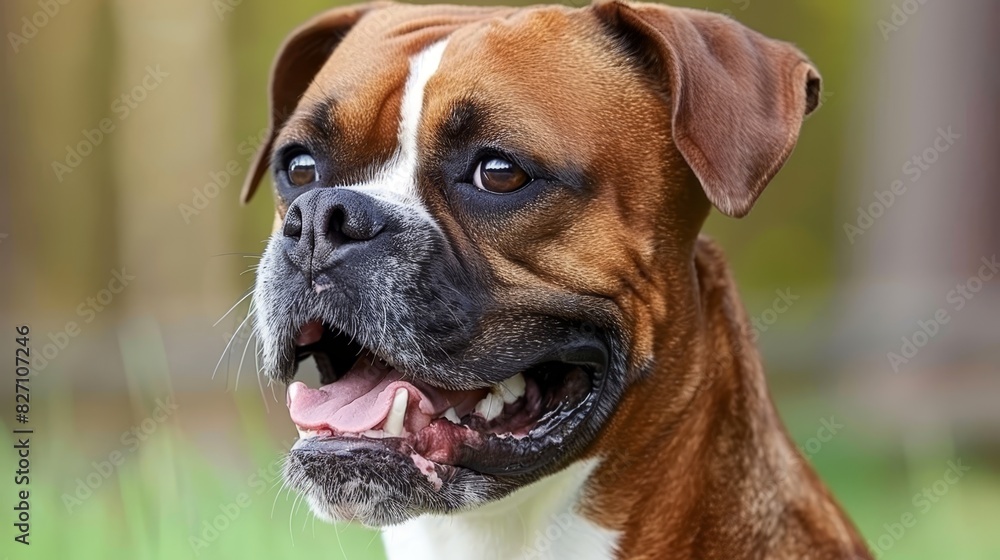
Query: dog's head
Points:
[485, 222]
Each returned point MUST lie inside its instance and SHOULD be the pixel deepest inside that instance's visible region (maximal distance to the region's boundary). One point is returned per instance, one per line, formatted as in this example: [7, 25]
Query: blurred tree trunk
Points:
[60, 236]
[935, 71]
[175, 52]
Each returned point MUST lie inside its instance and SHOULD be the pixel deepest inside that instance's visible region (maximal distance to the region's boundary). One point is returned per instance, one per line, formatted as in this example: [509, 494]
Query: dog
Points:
[487, 236]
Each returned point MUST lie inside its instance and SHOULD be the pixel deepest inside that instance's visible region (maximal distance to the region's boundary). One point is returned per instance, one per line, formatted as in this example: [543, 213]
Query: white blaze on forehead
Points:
[396, 182]
[422, 67]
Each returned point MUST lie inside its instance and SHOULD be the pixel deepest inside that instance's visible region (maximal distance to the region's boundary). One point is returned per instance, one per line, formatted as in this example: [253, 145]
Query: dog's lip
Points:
[345, 448]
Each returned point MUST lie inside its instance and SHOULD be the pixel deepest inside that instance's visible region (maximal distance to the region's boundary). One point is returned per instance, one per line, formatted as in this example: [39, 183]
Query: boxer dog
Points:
[487, 238]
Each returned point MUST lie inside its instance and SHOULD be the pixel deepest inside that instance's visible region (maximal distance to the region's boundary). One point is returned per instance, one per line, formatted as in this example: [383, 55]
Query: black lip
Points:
[346, 447]
[545, 445]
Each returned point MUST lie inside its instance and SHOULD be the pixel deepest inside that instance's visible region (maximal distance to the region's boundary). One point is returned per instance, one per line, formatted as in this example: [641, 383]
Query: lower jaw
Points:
[344, 448]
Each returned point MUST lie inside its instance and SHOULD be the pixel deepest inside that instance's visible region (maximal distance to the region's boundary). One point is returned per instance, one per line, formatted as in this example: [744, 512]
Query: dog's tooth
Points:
[512, 389]
[452, 416]
[394, 423]
[490, 407]
[374, 434]
[292, 391]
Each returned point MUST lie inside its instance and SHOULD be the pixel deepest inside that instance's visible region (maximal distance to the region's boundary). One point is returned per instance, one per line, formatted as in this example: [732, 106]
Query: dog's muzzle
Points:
[427, 362]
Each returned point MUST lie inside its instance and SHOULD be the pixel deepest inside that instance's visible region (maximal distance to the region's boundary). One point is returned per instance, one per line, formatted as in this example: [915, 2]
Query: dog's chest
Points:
[534, 523]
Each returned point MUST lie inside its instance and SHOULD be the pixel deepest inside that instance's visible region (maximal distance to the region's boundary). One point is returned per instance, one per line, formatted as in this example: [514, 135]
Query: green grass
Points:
[161, 503]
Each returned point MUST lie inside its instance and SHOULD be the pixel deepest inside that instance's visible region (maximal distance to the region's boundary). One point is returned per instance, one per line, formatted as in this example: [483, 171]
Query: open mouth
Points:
[502, 428]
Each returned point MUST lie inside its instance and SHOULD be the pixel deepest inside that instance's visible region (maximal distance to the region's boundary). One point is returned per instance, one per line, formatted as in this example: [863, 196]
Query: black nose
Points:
[322, 224]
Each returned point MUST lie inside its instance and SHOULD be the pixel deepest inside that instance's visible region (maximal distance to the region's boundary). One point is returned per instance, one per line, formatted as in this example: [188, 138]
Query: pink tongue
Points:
[362, 398]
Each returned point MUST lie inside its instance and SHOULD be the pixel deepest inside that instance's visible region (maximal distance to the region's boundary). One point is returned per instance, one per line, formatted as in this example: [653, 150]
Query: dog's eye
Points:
[302, 170]
[498, 175]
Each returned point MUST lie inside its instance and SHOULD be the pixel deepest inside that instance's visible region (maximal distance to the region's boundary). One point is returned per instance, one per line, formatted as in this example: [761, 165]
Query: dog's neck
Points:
[540, 521]
[705, 468]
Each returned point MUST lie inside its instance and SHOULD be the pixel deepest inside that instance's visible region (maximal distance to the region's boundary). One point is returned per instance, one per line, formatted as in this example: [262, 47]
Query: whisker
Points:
[242, 357]
[245, 296]
[256, 363]
[291, 515]
[237, 253]
[226, 349]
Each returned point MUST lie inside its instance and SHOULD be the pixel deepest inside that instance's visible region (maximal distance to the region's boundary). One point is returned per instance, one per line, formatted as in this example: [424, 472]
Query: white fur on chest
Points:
[538, 522]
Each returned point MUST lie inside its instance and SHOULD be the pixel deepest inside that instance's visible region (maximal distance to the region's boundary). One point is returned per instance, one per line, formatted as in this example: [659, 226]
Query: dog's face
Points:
[485, 220]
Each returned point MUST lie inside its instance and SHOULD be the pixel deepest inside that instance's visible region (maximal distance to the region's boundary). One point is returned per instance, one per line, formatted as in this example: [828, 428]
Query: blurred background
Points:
[868, 266]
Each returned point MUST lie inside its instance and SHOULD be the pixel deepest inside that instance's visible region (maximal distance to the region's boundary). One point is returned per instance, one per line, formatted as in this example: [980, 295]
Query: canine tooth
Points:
[452, 416]
[512, 389]
[294, 389]
[490, 407]
[394, 423]
[374, 434]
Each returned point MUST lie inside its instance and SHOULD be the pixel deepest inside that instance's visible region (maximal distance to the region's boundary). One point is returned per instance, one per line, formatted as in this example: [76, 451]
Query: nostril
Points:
[337, 219]
[293, 223]
[335, 226]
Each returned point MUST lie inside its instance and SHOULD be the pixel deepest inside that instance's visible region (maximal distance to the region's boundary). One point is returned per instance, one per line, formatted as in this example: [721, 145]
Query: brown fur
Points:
[697, 463]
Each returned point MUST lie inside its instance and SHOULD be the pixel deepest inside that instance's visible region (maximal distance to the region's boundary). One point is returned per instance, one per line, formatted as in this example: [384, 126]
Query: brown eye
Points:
[302, 170]
[499, 175]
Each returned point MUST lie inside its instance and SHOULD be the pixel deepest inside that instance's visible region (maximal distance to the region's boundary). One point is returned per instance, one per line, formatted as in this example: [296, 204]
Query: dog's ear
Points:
[737, 98]
[299, 59]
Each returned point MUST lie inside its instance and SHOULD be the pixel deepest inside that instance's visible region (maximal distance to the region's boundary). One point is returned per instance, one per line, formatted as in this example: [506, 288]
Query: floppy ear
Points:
[299, 59]
[737, 97]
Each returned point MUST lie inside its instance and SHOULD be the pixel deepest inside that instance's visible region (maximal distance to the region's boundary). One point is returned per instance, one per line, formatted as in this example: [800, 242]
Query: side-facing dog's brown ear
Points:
[299, 59]
[738, 98]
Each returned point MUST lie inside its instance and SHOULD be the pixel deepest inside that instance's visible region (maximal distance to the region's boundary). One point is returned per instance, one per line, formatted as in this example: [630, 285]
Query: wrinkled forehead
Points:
[357, 98]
